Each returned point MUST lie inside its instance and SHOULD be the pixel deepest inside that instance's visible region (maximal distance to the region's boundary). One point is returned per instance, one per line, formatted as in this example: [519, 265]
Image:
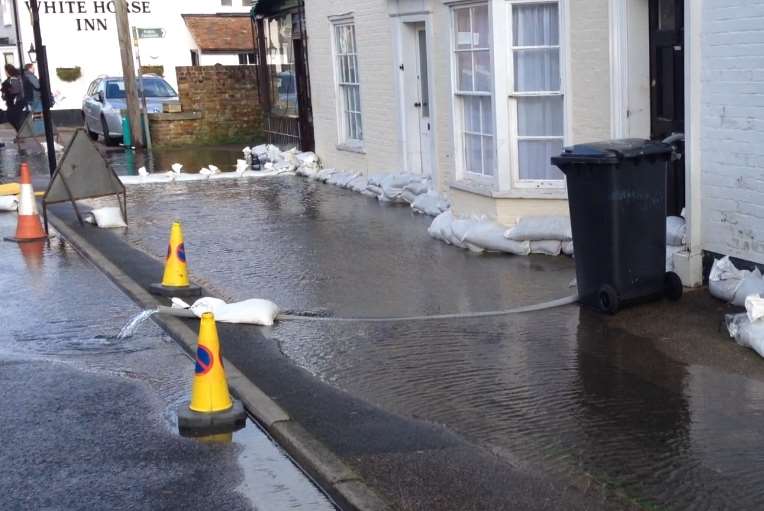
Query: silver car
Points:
[105, 100]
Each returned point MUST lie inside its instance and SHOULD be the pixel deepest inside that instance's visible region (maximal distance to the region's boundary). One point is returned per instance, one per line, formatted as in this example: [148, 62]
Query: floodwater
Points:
[560, 391]
[90, 417]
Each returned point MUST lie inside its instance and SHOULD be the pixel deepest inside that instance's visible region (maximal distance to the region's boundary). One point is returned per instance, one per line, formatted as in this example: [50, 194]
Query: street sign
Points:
[150, 33]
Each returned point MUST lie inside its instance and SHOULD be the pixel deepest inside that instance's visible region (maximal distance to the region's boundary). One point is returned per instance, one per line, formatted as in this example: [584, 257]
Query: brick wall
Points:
[732, 132]
[220, 105]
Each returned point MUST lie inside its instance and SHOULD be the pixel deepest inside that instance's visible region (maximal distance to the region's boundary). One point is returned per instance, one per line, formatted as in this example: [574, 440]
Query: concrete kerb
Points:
[348, 490]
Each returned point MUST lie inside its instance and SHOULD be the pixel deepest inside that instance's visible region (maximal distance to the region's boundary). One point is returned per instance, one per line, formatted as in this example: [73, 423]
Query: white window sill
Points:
[351, 147]
[470, 186]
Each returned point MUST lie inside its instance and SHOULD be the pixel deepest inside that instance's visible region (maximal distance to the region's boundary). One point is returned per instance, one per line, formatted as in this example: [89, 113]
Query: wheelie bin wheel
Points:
[672, 286]
[608, 299]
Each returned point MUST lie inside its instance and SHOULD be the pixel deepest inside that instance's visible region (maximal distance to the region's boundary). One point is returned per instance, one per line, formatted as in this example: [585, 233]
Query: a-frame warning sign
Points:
[83, 173]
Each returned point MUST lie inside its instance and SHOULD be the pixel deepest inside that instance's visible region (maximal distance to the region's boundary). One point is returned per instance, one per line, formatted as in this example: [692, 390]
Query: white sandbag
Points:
[176, 168]
[541, 228]
[408, 196]
[273, 153]
[307, 157]
[440, 228]
[106, 218]
[676, 231]
[418, 187]
[567, 248]
[357, 184]
[724, 279]
[546, 247]
[376, 179]
[747, 333]
[489, 235]
[143, 172]
[751, 284]
[670, 251]
[430, 203]
[9, 203]
[459, 229]
[254, 311]
[369, 193]
[324, 174]
[373, 190]
[754, 307]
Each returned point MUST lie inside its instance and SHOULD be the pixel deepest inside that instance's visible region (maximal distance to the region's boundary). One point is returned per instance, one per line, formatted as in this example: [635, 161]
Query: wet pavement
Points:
[563, 392]
[88, 420]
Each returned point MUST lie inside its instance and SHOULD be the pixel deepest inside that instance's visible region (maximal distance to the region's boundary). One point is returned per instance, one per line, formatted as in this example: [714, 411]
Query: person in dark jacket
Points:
[12, 92]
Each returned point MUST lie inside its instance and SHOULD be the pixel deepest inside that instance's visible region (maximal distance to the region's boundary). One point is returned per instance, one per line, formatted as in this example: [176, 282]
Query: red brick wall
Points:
[226, 99]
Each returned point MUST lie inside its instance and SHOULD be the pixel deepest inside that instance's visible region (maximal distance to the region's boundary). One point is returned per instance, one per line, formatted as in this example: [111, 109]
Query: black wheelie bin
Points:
[617, 200]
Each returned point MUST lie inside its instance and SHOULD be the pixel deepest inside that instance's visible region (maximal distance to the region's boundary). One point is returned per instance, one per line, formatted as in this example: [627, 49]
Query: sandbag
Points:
[567, 248]
[106, 218]
[408, 196]
[724, 279]
[254, 311]
[357, 184]
[676, 231]
[418, 187]
[9, 203]
[440, 228]
[751, 284]
[541, 228]
[754, 307]
[546, 247]
[747, 333]
[430, 203]
[489, 236]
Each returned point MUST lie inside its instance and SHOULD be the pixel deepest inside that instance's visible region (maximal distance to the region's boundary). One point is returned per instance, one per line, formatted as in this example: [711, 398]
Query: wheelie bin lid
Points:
[610, 151]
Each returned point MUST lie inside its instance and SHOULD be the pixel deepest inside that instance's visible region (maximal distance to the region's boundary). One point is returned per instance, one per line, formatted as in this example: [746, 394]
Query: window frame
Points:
[344, 140]
[459, 131]
[563, 47]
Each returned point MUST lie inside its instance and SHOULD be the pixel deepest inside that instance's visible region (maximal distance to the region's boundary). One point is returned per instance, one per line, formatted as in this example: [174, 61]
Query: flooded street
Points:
[89, 419]
[562, 391]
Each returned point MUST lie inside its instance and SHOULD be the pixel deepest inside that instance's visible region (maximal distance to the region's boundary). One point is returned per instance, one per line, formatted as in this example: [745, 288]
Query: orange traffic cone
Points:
[211, 409]
[29, 227]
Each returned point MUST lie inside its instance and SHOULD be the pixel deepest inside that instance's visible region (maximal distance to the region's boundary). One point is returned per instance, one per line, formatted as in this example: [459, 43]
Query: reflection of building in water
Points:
[284, 77]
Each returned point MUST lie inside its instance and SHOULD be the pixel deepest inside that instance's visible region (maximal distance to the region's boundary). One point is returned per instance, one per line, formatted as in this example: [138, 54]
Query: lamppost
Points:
[40, 52]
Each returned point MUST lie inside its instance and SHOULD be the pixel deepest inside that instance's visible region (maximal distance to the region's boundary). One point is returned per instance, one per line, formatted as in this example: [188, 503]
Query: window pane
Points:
[486, 112]
[359, 127]
[473, 154]
[537, 70]
[488, 156]
[472, 114]
[480, 27]
[534, 159]
[463, 35]
[483, 76]
[464, 71]
[535, 25]
[540, 116]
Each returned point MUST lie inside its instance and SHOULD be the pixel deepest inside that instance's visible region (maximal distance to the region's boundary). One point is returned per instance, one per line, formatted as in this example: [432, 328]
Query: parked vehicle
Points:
[105, 100]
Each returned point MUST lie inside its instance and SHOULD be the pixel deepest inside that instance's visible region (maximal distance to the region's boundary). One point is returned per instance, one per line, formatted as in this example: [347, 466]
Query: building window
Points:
[348, 83]
[473, 75]
[537, 90]
[247, 58]
[226, 3]
[7, 13]
[194, 58]
[10, 58]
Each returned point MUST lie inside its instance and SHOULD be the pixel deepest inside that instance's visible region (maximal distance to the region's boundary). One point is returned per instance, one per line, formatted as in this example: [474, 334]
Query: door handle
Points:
[417, 104]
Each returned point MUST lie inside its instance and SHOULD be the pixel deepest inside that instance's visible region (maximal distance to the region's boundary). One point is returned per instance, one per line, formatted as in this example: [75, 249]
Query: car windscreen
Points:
[155, 88]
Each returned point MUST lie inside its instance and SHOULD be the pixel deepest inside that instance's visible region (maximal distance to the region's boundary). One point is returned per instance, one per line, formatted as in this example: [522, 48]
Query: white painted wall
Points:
[71, 43]
[377, 83]
[225, 59]
[732, 128]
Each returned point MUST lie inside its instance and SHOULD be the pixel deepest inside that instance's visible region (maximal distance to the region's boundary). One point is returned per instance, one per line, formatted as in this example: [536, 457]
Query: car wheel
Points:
[108, 140]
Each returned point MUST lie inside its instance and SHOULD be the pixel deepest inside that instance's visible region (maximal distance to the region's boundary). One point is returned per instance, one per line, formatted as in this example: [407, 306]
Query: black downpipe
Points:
[42, 66]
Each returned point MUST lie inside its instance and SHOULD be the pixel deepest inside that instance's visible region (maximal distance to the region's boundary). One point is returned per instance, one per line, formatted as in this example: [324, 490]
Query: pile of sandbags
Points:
[548, 235]
[676, 239]
[477, 234]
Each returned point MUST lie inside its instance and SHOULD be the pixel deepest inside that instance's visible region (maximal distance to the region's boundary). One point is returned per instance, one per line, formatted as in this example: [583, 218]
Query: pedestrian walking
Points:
[32, 96]
[12, 92]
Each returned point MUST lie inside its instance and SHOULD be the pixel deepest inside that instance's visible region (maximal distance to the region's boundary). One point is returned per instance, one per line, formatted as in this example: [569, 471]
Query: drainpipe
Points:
[19, 46]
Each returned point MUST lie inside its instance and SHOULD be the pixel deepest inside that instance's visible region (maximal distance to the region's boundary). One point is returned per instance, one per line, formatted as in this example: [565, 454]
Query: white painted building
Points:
[479, 94]
[83, 34]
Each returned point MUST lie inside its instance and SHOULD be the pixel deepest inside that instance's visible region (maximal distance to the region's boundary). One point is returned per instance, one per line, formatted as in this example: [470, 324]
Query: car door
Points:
[91, 106]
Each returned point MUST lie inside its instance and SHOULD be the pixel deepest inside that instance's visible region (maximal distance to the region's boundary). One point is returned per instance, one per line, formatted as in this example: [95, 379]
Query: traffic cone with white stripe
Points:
[29, 227]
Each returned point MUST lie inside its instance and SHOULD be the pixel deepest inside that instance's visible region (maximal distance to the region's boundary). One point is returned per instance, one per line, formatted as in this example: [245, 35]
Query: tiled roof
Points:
[220, 32]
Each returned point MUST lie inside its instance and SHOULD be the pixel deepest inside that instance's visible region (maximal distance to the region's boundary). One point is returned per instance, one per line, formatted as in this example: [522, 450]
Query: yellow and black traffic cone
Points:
[175, 279]
[211, 409]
